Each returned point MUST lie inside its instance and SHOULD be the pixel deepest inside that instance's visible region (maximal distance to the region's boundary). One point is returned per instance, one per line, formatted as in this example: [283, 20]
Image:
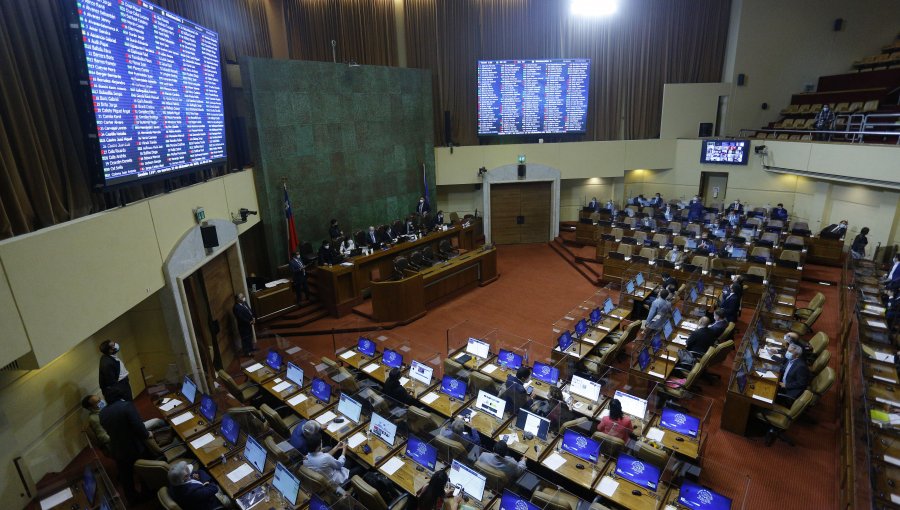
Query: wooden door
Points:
[220, 295]
[520, 212]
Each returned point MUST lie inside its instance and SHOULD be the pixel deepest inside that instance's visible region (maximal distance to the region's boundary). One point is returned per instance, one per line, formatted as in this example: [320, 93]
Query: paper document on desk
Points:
[371, 367]
[429, 398]
[276, 283]
[296, 399]
[604, 328]
[347, 264]
[348, 354]
[554, 461]
[168, 406]
[510, 438]
[656, 374]
[894, 418]
[764, 399]
[56, 499]
[239, 473]
[888, 402]
[254, 367]
[334, 427]
[181, 418]
[392, 465]
[589, 340]
[202, 441]
[774, 341]
[881, 356]
[489, 368]
[877, 324]
[768, 374]
[873, 309]
[292, 350]
[356, 440]
[883, 379]
[895, 499]
[607, 486]
[283, 385]
[655, 434]
[764, 354]
[891, 460]
[326, 417]
[403, 381]
[680, 340]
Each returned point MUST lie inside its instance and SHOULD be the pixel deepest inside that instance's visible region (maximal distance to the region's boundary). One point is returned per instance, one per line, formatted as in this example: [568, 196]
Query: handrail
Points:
[854, 130]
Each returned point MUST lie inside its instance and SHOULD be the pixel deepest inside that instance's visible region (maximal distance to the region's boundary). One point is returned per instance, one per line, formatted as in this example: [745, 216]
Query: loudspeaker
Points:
[448, 128]
[210, 237]
[838, 24]
[521, 171]
[741, 79]
[706, 130]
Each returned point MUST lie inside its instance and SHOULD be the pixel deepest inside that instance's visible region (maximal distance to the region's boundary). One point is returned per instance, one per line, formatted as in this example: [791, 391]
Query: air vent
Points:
[838, 178]
[11, 367]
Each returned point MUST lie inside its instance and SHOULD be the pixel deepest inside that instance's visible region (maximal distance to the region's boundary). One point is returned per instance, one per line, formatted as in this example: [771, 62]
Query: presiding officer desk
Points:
[341, 286]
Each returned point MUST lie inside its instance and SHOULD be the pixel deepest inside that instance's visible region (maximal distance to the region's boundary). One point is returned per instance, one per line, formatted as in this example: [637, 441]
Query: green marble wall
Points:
[351, 142]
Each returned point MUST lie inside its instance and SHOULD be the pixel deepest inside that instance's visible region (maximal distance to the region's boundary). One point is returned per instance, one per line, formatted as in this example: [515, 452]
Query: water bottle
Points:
[223, 459]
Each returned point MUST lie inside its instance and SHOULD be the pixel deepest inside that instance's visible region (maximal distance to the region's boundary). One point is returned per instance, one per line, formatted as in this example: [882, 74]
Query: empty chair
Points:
[618, 233]
[496, 479]
[277, 453]
[243, 393]
[662, 239]
[820, 384]
[169, 453]
[701, 262]
[283, 426]
[449, 449]
[793, 256]
[799, 227]
[554, 499]
[401, 266]
[315, 482]
[611, 446]
[768, 239]
[818, 301]
[421, 422]
[418, 260]
[694, 229]
[649, 253]
[820, 362]
[761, 251]
[870, 106]
[454, 368]
[781, 418]
[479, 381]
[675, 226]
[446, 249]
[371, 499]
[640, 236]
[757, 271]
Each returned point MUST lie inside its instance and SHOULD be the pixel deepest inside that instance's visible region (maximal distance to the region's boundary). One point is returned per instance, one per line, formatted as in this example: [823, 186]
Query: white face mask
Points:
[789, 355]
[101, 404]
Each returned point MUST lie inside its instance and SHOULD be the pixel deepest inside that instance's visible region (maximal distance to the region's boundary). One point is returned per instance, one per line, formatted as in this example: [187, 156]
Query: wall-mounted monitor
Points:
[153, 90]
[531, 97]
[725, 152]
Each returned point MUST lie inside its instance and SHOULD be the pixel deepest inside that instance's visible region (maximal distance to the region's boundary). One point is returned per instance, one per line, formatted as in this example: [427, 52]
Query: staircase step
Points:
[589, 273]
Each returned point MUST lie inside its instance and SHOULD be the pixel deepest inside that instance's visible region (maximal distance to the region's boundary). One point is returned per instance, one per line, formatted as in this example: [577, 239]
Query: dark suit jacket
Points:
[732, 307]
[701, 340]
[423, 208]
[828, 232]
[740, 208]
[797, 379]
[718, 328]
[695, 211]
[372, 238]
[244, 315]
[196, 495]
[779, 213]
[515, 396]
[438, 220]
[126, 430]
[110, 386]
[334, 232]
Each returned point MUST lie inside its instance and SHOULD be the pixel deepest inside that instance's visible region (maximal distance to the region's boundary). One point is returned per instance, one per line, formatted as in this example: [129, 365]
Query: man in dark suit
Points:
[795, 375]
[389, 235]
[127, 436]
[193, 490]
[695, 209]
[719, 323]
[699, 341]
[438, 219]
[736, 206]
[410, 228]
[372, 238]
[245, 321]
[731, 303]
[298, 269]
[515, 395]
[779, 213]
[656, 201]
[892, 278]
[422, 207]
[326, 253]
[113, 375]
[834, 231]
[334, 230]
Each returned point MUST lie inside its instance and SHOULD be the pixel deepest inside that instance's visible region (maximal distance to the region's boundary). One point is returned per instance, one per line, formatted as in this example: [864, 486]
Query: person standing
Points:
[659, 313]
[334, 230]
[824, 121]
[245, 321]
[299, 271]
[114, 382]
[422, 207]
[858, 248]
[127, 441]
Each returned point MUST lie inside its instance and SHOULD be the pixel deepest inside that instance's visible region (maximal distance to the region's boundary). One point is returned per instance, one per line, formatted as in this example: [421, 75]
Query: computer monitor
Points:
[477, 348]
[754, 341]
[690, 244]
[629, 287]
[421, 372]
[694, 294]
[104, 504]
[255, 454]
[748, 360]
[349, 408]
[392, 358]
[421, 452]
[454, 387]
[90, 484]
[738, 253]
[585, 388]
[639, 279]
[230, 429]
[538, 426]
[316, 503]
[700, 286]
[511, 501]
[719, 232]
[656, 343]
[545, 373]
[596, 316]
[565, 340]
[490, 404]
[321, 390]
[692, 495]
[581, 328]
[667, 329]
[631, 405]
[295, 374]
[468, 480]
[189, 389]
[287, 484]
[208, 408]
[273, 359]
[581, 446]
[365, 346]
[679, 422]
[741, 378]
[676, 316]
[383, 428]
[644, 359]
[509, 359]
[608, 306]
[640, 473]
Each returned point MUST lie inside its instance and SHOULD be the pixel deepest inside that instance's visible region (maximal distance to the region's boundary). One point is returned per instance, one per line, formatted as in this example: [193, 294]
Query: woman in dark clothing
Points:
[858, 248]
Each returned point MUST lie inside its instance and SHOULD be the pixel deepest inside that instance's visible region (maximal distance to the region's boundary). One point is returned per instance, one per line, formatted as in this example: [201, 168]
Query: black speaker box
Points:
[706, 130]
[210, 237]
[521, 171]
[741, 79]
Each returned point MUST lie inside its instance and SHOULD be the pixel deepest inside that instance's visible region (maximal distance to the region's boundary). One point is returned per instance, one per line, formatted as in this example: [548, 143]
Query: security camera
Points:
[760, 149]
[243, 212]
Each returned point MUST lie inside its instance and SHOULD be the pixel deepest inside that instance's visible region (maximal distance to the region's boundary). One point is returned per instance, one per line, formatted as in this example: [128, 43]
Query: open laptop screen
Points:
[491, 404]
[642, 474]
[632, 405]
[509, 359]
[470, 481]
[230, 429]
[383, 428]
[321, 390]
[692, 495]
[365, 346]
[288, 484]
[392, 358]
[189, 389]
[255, 454]
[581, 327]
[208, 408]
[349, 408]
[273, 359]
[564, 341]
[608, 306]
[681, 423]
[596, 316]
[511, 501]
[421, 372]
[530, 422]
[421, 453]
[585, 388]
[644, 359]
[580, 446]
[477, 348]
[545, 373]
[453, 387]
[295, 374]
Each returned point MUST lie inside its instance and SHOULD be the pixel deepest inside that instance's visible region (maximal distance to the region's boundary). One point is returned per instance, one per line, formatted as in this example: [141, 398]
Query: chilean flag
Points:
[293, 242]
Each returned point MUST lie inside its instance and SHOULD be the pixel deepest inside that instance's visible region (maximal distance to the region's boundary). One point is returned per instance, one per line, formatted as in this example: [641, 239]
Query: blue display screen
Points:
[510, 501]
[321, 390]
[273, 359]
[421, 453]
[596, 316]
[692, 495]
[509, 359]
[365, 346]
[456, 388]
[157, 103]
[208, 408]
[608, 306]
[545, 373]
[644, 359]
[392, 359]
[517, 97]
[230, 429]
[679, 422]
[667, 329]
[581, 327]
[700, 286]
[638, 472]
[580, 446]
[565, 340]
[656, 343]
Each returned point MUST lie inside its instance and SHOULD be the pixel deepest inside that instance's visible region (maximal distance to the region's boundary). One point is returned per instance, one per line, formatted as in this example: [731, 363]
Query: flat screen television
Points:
[531, 97]
[152, 84]
[725, 152]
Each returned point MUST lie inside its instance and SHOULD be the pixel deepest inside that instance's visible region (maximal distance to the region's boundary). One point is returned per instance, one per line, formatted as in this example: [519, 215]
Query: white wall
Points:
[686, 105]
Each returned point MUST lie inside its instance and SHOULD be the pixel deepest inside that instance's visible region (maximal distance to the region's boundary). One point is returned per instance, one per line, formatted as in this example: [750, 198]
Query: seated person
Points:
[656, 201]
[326, 255]
[390, 235]
[699, 341]
[675, 255]
[594, 204]
[456, 431]
[334, 230]
[891, 279]
[726, 250]
[303, 433]
[560, 409]
[648, 222]
[719, 323]
[736, 206]
[347, 246]
[705, 248]
[616, 424]
[410, 228]
[795, 376]
[612, 207]
[324, 463]
[779, 213]
[515, 394]
[94, 404]
[501, 460]
[372, 238]
[194, 490]
[734, 218]
[438, 219]
[395, 390]
[437, 494]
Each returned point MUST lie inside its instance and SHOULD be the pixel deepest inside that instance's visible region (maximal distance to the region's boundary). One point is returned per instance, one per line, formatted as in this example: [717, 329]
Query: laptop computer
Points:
[208, 408]
[295, 374]
[255, 454]
[490, 404]
[512, 501]
[383, 429]
[692, 495]
[230, 429]
[421, 372]
[454, 388]
[273, 359]
[741, 378]
[467, 480]
[189, 389]
[640, 473]
[676, 316]
[89, 481]
[350, 408]
[392, 359]
[580, 328]
[289, 486]
[421, 452]
[581, 446]
[631, 405]
[538, 426]
[509, 359]
[644, 359]
[679, 422]
[545, 373]
[365, 346]
[738, 253]
[321, 390]
[564, 341]
[585, 388]
[478, 348]
[656, 343]
[608, 306]
[596, 316]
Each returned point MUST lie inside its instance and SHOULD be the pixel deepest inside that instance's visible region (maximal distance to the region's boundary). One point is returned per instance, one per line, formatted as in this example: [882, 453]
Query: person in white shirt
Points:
[347, 246]
[892, 278]
[331, 468]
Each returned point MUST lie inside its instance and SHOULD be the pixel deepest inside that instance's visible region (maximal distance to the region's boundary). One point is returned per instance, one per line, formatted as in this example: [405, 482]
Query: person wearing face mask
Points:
[245, 320]
[794, 375]
[326, 254]
[737, 207]
[695, 209]
[422, 207]
[372, 238]
[94, 404]
[114, 382]
[834, 231]
[195, 490]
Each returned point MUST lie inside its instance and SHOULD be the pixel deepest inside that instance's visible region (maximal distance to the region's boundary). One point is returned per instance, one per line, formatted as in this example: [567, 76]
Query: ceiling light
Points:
[594, 8]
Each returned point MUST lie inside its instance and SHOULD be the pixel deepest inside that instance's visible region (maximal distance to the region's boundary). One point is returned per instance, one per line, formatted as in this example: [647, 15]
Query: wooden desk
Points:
[407, 477]
[737, 408]
[378, 371]
[827, 252]
[586, 234]
[210, 453]
[679, 443]
[194, 425]
[623, 495]
[283, 394]
[585, 477]
[306, 405]
[470, 267]
[183, 405]
[274, 497]
[473, 363]
[532, 449]
[881, 372]
[268, 303]
[340, 431]
[262, 374]
[220, 472]
[442, 404]
[380, 451]
[483, 422]
[498, 373]
[357, 359]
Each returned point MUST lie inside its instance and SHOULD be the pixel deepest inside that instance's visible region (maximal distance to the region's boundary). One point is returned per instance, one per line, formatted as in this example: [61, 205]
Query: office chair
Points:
[446, 249]
[455, 368]
[371, 499]
[496, 479]
[421, 422]
[283, 426]
[165, 500]
[805, 327]
[820, 363]
[818, 301]
[418, 261]
[552, 498]
[720, 353]
[818, 343]
[401, 266]
[479, 381]
[574, 423]
[821, 384]
[449, 449]
[153, 474]
[244, 393]
[611, 446]
[307, 254]
[649, 453]
[314, 482]
[359, 238]
[780, 418]
[278, 454]
[250, 419]
[171, 452]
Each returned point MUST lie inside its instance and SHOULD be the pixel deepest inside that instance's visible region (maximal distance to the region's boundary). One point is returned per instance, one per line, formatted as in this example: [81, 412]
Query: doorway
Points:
[210, 296]
[520, 212]
[713, 186]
